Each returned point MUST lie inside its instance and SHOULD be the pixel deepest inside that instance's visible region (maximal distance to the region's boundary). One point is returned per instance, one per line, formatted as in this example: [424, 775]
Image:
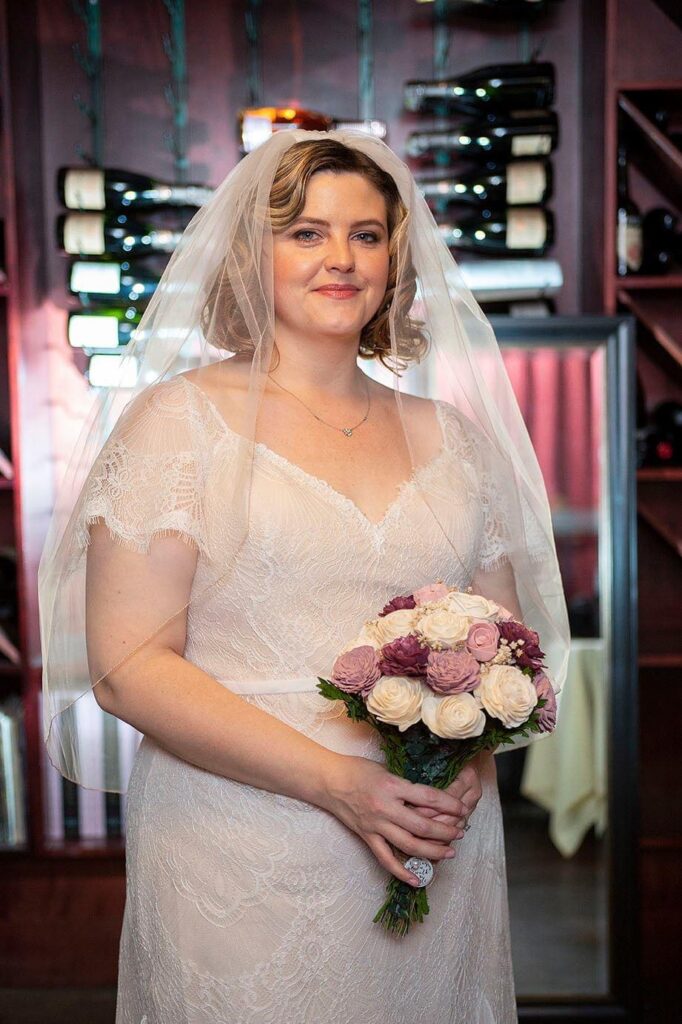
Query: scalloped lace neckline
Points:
[323, 486]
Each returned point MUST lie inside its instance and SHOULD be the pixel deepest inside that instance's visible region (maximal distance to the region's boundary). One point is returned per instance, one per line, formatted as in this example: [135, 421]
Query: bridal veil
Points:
[139, 462]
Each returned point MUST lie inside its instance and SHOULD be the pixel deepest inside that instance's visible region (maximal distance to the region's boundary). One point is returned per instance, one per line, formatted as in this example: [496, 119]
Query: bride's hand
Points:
[467, 788]
[382, 809]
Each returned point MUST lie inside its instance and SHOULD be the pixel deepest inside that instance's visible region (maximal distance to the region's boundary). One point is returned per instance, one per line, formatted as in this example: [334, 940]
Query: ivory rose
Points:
[399, 623]
[474, 605]
[442, 628]
[397, 700]
[507, 694]
[456, 717]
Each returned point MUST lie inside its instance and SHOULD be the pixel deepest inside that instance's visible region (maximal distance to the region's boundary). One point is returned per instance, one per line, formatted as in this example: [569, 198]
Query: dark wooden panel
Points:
[660, 701]
[661, 898]
[60, 922]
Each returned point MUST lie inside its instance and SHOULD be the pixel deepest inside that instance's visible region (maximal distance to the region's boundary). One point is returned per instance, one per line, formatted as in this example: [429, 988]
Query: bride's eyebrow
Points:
[325, 223]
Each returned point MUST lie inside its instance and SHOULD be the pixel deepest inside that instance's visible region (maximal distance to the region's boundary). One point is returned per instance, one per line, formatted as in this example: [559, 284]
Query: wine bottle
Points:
[528, 85]
[98, 234]
[515, 133]
[106, 188]
[519, 182]
[628, 223]
[112, 282]
[665, 442]
[257, 124]
[98, 329]
[503, 8]
[521, 231]
[660, 240]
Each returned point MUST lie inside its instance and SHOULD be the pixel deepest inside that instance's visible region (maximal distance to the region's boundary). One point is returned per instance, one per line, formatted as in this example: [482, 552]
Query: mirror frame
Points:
[617, 335]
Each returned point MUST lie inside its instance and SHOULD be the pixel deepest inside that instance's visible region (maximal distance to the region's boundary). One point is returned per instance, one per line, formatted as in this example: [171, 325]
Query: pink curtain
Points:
[560, 393]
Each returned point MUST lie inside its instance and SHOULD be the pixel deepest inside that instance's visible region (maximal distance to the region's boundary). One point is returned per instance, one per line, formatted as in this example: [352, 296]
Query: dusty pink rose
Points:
[431, 592]
[357, 670]
[405, 656]
[452, 671]
[482, 640]
[545, 691]
[396, 603]
[529, 654]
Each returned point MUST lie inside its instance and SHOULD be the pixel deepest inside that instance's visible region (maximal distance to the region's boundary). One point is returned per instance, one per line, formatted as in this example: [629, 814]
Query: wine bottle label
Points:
[84, 189]
[103, 278]
[163, 241]
[93, 331]
[185, 195]
[531, 145]
[526, 182]
[629, 243]
[378, 129]
[256, 129]
[526, 229]
[438, 189]
[84, 233]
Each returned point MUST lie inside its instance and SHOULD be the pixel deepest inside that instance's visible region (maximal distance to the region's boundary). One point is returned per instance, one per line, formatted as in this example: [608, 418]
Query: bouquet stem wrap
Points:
[419, 756]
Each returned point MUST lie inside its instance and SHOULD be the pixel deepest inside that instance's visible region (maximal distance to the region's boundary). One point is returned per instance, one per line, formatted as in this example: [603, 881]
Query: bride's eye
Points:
[304, 231]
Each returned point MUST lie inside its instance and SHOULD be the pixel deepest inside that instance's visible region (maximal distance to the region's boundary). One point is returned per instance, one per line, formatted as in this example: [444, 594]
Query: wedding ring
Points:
[467, 826]
[422, 868]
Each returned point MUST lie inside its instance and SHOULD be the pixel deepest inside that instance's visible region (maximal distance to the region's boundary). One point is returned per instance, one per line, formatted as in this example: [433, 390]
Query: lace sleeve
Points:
[148, 479]
[493, 551]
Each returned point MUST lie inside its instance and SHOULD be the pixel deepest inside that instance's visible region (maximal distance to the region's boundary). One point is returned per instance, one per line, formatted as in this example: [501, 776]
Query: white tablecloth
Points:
[566, 773]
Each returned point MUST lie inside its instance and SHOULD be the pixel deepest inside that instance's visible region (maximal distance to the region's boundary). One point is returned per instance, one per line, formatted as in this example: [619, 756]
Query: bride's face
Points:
[340, 238]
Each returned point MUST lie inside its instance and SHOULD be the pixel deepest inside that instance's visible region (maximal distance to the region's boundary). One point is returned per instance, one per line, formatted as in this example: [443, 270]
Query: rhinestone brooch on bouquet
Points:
[422, 868]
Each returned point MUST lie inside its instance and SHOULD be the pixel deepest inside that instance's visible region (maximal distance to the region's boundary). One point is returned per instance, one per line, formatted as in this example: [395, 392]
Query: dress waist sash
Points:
[297, 684]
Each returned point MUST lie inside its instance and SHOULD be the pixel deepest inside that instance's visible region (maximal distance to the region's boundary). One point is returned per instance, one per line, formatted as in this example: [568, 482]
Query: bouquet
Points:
[441, 674]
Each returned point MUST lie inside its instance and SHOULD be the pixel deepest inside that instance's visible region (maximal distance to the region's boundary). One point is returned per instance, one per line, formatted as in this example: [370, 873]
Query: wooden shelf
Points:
[660, 473]
[660, 843]
[660, 313]
[654, 153]
[84, 848]
[672, 9]
[660, 660]
[658, 282]
[664, 148]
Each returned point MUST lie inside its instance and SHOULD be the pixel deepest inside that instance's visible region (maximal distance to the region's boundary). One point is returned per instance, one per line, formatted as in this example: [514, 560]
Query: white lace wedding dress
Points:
[249, 907]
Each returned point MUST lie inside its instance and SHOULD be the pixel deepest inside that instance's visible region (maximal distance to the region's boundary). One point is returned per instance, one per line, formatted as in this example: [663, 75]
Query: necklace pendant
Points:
[348, 431]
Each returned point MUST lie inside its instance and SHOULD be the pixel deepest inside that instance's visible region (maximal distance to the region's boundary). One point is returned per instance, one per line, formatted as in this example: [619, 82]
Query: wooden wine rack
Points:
[642, 39]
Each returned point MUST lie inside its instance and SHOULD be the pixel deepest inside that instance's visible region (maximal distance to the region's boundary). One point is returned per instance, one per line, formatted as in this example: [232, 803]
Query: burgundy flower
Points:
[405, 656]
[529, 654]
[545, 691]
[403, 601]
[452, 671]
[357, 670]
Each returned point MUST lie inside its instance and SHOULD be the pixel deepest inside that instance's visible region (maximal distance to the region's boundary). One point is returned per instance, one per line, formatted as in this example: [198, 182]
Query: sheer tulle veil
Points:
[215, 299]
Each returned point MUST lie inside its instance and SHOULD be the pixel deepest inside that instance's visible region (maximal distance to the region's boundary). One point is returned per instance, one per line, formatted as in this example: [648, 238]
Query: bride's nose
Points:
[339, 256]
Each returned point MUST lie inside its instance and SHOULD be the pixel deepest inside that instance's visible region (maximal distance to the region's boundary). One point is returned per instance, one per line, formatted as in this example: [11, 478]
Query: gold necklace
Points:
[348, 431]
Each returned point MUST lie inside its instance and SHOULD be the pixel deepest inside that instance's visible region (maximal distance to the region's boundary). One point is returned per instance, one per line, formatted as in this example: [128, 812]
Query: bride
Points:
[251, 507]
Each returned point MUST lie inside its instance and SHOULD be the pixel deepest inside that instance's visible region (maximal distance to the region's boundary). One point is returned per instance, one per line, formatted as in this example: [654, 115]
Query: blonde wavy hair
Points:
[222, 318]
